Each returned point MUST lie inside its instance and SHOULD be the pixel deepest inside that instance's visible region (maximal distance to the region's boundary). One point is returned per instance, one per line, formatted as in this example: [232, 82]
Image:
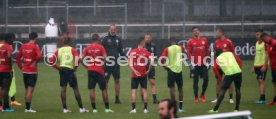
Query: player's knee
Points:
[75, 88]
[261, 81]
[218, 82]
[145, 96]
[205, 82]
[92, 90]
[152, 83]
[77, 97]
[224, 88]
[238, 91]
[206, 79]
[63, 89]
[172, 97]
[180, 89]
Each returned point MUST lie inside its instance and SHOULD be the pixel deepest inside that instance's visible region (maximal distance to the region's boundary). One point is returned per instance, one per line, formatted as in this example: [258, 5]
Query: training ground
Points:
[46, 99]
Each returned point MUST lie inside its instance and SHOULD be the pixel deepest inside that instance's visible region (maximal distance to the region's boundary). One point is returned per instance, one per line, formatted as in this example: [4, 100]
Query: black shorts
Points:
[220, 73]
[237, 78]
[68, 75]
[174, 78]
[29, 80]
[94, 78]
[273, 72]
[114, 70]
[151, 74]
[260, 75]
[5, 76]
[139, 80]
[200, 71]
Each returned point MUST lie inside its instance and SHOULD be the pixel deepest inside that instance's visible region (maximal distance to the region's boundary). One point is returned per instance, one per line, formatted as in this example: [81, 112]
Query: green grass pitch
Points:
[46, 99]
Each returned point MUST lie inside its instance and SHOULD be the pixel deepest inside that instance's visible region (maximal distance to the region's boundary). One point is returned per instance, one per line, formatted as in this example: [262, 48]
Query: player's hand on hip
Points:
[264, 68]
[33, 64]
[137, 73]
[252, 70]
[148, 72]
[208, 66]
[167, 68]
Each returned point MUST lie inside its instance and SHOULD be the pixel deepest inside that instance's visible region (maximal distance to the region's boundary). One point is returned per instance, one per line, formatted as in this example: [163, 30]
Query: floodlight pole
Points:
[261, 11]
[242, 19]
[67, 13]
[150, 7]
[37, 9]
[7, 16]
[95, 8]
[125, 35]
[163, 19]
[184, 19]
[205, 7]
[3, 6]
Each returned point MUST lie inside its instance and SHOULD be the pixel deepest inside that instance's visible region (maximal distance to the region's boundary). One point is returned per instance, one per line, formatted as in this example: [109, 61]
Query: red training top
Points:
[216, 66]
[198, 49]
[225, 44]
[30, 53]
[5, 53]
[54, 58]
[272, 53]
[140, 66]
[98, 53]
[165, 53]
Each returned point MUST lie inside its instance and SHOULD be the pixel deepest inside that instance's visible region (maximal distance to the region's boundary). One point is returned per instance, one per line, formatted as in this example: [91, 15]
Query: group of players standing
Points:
[226, 63]
[111, 45]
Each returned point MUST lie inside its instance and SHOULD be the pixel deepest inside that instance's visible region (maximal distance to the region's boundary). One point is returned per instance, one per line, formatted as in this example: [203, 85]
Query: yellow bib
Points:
[65, 57]
[175, 58]
[260, 54]
[228, 64]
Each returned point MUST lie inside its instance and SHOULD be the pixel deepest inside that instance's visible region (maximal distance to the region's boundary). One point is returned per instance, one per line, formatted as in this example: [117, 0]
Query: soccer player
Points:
[197, 50]
[9, 38]
[94, 57]
[173, 53]
[226, 44]
[138, 62]
[260, 65]
[113, 45]
[67, 58]
[30, 54]
[167, 109]
[231, 65]
[5, 73]
[272, 58]
[150, 46]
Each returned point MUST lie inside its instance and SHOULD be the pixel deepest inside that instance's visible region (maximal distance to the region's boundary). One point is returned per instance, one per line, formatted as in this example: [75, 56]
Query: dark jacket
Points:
[151, 48]
[113, 45]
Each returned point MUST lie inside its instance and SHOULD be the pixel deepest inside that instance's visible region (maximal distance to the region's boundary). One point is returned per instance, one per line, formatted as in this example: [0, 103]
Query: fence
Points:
[82, 34]
[164, 18]
[245, 48]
